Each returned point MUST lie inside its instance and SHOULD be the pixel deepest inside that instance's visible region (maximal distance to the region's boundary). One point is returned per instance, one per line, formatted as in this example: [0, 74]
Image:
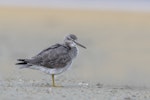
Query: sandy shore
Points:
[15, 89]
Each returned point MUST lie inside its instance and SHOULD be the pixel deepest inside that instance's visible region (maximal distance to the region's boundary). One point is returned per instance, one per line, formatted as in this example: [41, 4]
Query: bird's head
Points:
[71, 41]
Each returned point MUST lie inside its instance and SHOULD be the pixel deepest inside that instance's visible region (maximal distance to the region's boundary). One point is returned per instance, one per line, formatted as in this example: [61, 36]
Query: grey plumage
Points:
[55, 59]
[57, 56]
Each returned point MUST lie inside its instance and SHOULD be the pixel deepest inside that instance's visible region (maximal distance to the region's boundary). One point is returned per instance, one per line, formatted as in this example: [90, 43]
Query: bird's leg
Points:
[53, 82]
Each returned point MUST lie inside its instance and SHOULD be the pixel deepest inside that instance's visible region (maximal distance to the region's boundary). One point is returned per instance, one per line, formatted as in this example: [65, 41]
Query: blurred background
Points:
[116, 34]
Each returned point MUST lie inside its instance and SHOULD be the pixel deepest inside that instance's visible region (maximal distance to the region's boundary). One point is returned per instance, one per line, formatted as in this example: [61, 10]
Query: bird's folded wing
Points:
[52, 57]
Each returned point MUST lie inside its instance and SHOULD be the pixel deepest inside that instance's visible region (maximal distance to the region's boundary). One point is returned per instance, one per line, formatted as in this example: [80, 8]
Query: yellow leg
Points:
[53, 82]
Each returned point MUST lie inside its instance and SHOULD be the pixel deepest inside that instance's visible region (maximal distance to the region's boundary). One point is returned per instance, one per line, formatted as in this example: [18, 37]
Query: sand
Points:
[74, 90]
[115, 65]
[16, 89]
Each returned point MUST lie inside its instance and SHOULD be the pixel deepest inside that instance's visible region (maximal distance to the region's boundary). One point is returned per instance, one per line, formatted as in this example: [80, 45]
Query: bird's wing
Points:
[50, 48]
[52, 57]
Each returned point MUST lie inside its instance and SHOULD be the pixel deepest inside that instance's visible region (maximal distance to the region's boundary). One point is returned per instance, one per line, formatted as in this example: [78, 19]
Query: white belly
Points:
[51, 71]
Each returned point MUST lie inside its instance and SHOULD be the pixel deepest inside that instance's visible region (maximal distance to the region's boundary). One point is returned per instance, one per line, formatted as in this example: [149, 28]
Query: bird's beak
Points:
[80, 45]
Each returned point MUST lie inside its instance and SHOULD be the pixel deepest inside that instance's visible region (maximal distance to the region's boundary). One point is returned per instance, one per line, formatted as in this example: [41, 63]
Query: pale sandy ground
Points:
[114, 67]
[18, 89]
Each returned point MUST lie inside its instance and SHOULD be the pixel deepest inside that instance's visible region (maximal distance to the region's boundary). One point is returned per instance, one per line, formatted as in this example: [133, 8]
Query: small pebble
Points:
[83, 84]
[99, 85]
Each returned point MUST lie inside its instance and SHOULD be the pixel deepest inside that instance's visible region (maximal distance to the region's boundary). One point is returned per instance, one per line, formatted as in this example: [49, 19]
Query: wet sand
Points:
[115, 65]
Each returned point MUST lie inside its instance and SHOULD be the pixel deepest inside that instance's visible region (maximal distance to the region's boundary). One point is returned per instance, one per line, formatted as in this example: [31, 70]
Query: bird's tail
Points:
[23, 62]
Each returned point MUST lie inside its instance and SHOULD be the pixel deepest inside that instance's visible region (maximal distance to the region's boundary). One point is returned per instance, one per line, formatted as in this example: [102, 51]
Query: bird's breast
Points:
[73, 52]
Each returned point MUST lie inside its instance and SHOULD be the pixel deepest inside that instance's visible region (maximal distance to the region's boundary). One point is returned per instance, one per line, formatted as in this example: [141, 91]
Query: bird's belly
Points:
[52, 70]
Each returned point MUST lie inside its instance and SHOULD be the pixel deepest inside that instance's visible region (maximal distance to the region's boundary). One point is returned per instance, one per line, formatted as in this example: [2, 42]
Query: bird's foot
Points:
[57, 86]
